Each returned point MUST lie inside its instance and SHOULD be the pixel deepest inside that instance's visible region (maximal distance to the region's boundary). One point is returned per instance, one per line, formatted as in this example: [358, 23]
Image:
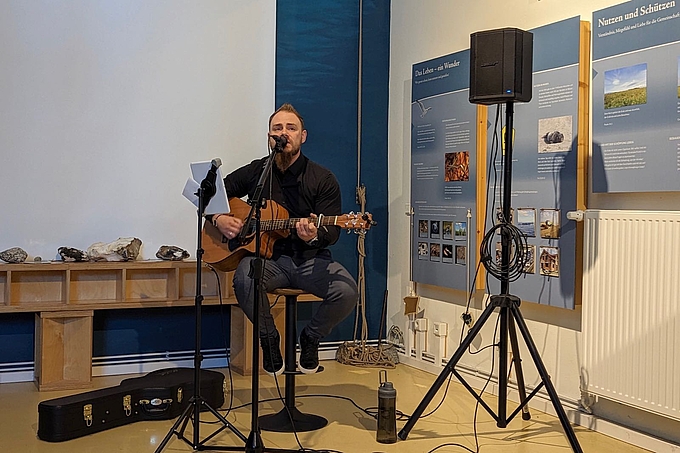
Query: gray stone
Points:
[14, 255]
[553, 137]
[122, 249]
[171, 253]
[71, 254]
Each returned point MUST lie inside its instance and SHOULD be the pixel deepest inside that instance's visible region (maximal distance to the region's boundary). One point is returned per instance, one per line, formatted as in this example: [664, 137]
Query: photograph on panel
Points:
[423, 251]
[549, 261]
[625, 86]
[554, 134]
[550, 223]
[435, 251]
[447, 253]
[457, 166]
[447, 230]
[434, 229]
[461, 254]
[529, 259]
[500, 217]
[499, 252]
[423, 228]
[526, 221]
[460, 231]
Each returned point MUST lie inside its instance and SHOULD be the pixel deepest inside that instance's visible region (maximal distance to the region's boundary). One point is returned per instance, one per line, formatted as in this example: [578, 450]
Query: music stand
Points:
[205, 193]
[509, 315]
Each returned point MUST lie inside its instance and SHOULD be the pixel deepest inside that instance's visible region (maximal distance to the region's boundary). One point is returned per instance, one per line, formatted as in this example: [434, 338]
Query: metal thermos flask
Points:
[387, 411]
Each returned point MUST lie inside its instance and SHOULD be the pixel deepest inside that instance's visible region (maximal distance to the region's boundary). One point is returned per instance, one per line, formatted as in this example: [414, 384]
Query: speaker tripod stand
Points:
[509, 316]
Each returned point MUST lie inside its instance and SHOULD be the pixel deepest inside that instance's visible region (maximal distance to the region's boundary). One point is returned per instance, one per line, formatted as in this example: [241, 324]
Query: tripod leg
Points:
[403, 434]
[225, 424]
[519, 374]
[561, 414]
[502, 420]
[182, 418]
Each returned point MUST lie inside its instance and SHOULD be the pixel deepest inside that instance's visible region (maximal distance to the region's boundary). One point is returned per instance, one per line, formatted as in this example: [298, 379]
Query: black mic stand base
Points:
[184, 420]
[301, 422]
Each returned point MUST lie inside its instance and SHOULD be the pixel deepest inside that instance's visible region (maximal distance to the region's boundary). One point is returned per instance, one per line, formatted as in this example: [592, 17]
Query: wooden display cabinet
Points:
[64, 296]
[62, 340]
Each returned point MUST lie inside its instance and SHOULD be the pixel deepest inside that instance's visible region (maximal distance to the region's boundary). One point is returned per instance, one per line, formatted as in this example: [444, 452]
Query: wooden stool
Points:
[281, 421]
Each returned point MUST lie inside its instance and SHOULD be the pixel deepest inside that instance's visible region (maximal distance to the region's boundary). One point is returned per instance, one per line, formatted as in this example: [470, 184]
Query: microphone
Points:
[208, 183]
[280, 142]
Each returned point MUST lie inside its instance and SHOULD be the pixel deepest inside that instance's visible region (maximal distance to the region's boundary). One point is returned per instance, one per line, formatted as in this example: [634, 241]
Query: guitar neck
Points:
[287, 224]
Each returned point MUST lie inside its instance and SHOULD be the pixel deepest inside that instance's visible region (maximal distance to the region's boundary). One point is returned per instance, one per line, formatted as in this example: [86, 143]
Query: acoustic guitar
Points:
[225, 254]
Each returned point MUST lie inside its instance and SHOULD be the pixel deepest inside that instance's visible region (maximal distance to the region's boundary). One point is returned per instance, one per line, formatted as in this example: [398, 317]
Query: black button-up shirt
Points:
[304, 188]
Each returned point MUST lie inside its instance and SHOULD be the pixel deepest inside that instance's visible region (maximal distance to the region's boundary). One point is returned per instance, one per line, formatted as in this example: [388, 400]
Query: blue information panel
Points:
[636, 97]
[544, 169]
[443, 169]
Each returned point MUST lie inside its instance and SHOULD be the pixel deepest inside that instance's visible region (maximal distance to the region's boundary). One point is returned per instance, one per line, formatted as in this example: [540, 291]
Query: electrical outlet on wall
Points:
[421, 325]
[440, 329]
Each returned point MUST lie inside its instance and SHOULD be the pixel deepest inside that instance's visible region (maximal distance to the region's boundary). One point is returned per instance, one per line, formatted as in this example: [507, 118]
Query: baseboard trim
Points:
[145, 363]
[124, 364]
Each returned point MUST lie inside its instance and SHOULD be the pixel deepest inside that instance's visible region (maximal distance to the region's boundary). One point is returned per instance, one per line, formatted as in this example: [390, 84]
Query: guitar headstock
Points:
[356, 221]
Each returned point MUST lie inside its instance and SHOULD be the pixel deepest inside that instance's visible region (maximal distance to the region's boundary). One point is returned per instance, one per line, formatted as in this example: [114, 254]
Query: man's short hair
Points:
[288, 108]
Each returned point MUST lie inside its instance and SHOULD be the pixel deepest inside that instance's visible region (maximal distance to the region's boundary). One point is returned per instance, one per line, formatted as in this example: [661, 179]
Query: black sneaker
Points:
[272, 362]
[309, 353]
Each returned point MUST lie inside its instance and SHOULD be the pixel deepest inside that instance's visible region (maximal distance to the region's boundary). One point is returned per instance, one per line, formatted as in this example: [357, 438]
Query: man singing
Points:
[302, 259]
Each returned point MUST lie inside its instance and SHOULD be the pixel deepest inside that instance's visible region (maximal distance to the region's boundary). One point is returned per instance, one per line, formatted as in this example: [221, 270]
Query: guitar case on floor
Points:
[159, 395]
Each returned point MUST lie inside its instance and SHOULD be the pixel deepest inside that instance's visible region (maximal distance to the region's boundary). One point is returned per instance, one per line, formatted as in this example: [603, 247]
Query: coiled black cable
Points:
[491, 257]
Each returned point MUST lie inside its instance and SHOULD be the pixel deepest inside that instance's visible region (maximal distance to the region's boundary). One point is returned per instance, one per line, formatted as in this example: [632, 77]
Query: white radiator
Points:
[631, 308]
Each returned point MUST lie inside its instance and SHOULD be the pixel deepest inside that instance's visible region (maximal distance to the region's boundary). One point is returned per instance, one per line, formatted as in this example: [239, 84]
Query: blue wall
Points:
[317, 70]
[16, 337]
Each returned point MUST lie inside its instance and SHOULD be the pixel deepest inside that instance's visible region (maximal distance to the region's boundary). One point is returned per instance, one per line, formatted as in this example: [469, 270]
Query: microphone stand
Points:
[192, 412]
[254, 442]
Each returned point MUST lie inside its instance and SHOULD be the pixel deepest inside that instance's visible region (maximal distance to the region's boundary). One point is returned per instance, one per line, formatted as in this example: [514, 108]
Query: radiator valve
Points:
[576, 215]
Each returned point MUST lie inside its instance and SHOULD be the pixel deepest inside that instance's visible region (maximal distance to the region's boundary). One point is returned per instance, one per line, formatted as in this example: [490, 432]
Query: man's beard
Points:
[284, 159]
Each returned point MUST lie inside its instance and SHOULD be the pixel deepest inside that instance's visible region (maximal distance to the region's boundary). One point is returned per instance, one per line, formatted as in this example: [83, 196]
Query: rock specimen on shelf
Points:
[14, 255]
[122, 249]
[171, 253]
[71, 254]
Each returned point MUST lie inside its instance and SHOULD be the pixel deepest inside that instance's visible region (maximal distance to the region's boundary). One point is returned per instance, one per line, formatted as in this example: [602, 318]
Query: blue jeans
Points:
[320, 276]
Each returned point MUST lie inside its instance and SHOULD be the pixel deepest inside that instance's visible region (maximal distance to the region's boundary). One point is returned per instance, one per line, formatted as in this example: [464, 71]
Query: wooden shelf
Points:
[64, 297]
[59, 286]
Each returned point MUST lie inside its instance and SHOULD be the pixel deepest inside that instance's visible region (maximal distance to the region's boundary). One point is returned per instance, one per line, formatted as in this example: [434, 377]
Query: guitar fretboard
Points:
[286, 224]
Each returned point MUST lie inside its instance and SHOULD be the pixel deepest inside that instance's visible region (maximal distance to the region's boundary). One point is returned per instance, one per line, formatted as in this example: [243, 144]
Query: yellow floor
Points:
[349, 430]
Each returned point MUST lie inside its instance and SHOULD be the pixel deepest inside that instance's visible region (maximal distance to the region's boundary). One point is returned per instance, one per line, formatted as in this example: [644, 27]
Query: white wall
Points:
[103, 105]
[430, 29]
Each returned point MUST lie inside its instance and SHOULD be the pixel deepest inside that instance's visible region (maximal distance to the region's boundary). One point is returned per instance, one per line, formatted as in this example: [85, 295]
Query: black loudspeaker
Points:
[501, 66]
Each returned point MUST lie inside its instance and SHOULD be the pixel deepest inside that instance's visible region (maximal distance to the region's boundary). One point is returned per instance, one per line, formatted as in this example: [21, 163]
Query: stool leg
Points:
[291, 350]
[290, 419]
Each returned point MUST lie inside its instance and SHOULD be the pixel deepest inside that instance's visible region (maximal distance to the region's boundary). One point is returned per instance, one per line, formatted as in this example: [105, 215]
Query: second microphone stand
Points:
[192, 413]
